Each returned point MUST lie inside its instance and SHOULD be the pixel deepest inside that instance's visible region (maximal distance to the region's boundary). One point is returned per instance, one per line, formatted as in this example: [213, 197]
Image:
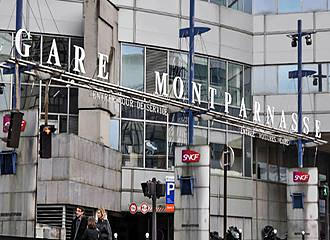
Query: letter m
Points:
[161, 84]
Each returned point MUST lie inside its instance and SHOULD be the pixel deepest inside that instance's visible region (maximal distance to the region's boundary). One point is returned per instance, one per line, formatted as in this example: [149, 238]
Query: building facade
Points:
[103, 150]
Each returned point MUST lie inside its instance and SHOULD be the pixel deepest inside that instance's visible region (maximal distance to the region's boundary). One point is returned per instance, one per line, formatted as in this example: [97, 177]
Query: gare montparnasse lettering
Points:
[161, 83]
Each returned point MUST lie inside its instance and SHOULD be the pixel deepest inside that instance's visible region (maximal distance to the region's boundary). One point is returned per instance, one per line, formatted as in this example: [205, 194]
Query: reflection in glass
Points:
[132, 67]
[177, 136]
[114, 134]
[235, 4]
[286, 85]
[285, 6]
[235, 141]
[218, 79]
[5, 46]
[155, 146]
[156, 60]
[247, 156]
[248, 6]
[201, 76]
[273, 162]
[29, 96]
[217, 141]
[132, 138]
[5, 95]
[261, 155]
[235, 83]
[247, 87]
[178, 66]
[58, 99]
[200, 136]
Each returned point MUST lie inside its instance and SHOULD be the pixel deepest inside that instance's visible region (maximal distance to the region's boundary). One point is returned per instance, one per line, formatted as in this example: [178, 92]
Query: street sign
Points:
[231, 157]
[144, 208]
[133, 208]
[170, 190]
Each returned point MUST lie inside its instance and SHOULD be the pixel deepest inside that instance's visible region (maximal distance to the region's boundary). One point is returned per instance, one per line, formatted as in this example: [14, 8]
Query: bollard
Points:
[147, 236]
[115, 236]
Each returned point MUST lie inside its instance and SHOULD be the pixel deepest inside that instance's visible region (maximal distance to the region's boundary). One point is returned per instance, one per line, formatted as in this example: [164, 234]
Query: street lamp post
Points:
[299, 73]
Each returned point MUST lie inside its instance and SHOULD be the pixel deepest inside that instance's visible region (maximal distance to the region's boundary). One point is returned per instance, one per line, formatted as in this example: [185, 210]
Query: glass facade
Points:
[240, 5]
[148, 140]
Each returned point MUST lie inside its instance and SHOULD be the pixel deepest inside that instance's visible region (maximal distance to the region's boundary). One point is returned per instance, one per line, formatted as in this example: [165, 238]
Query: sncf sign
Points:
[190, 156]
[300, 176]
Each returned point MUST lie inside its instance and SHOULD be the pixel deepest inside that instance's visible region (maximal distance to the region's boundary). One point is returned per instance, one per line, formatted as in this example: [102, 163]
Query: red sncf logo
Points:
[300, 177]
[190, 156]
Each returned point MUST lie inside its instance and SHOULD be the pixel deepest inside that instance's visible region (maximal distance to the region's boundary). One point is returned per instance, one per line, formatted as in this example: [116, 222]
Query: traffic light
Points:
[146, 188]
[14, 131]
[46, 140]
[323, 191]
[160, 189]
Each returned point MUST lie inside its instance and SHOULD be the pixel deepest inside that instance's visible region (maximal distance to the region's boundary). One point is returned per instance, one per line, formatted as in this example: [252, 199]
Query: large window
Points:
[285, 6]
[149, 140]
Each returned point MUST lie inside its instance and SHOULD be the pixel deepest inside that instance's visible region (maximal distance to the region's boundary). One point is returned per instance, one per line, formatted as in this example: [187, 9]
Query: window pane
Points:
[264, 80]
[178, 66]
[132, 67]
[235, 82]
[132, 139]
[261, 155]
[73, 100]
[177, 136]
[217, 141]
[5, 95]
[235, 141]
[314, 5]
[308, 82]
[248, 6]
[74, 42]
[62, 48]
[155, 146]
[5, 46]
[220, 2]
[264, 6]
[58, 99]
[247, 156]
[273, 162]
[285, 6]
[218, 79]
[236, 4]
[286, 85]
[200, 136]
[156, 61]
[247, 87]
[201, 76]
[29, 96]
[114, 134]
[73, 124]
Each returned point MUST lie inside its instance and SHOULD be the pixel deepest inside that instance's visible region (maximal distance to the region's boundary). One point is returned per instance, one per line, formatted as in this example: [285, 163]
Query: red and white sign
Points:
[133, 208]
[6, 124]
[190, 156]
[300, 176]
[144, 208]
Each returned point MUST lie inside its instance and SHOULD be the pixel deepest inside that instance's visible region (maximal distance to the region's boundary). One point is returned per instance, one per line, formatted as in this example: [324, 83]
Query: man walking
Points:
[79, 224]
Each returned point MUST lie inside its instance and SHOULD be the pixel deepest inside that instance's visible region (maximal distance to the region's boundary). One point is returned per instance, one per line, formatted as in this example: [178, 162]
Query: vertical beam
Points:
[16, 83]
[154, 217]
[191, 70]
[300, 153]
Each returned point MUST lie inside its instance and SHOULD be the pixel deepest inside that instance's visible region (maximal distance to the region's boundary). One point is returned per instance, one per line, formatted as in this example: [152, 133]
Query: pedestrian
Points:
[103, 225]
[91, 233]
[79, 224]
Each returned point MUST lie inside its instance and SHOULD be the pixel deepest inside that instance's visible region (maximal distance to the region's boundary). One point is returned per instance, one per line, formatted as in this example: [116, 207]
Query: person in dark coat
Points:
[91, 233]
[79, 224]
[103, 225]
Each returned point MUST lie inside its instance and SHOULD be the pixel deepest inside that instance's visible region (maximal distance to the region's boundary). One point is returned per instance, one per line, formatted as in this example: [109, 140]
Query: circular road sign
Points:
[144, 208]
[231, 157]
[133, 208]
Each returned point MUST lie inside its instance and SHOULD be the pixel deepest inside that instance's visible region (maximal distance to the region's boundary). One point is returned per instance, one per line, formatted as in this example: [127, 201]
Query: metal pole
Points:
[154, 217]
[300, 152]
[225, 192]
[320, 76]
[191, 70]
[16, 83]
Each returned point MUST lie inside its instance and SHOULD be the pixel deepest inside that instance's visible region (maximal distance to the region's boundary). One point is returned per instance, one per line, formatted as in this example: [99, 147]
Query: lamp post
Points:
[299, 73]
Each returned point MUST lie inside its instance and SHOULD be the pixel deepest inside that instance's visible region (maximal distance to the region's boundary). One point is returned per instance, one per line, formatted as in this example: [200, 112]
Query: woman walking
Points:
[103, 225]
[91, 232]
